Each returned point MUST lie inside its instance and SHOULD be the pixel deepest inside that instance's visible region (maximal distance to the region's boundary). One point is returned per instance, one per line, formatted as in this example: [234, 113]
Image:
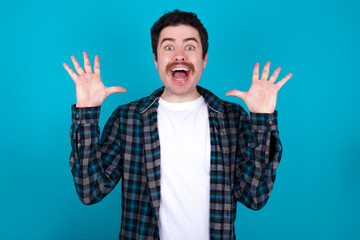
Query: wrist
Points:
[87, 104]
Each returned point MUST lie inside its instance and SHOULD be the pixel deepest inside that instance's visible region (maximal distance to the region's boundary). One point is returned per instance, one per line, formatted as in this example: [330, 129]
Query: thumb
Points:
[117, 89]
[237, 93]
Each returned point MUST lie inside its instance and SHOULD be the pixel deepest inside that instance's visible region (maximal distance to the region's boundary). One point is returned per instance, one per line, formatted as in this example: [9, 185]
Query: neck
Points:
[179, 98]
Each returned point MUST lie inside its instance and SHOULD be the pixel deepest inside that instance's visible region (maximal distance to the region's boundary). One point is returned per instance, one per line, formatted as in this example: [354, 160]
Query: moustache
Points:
[189, 65]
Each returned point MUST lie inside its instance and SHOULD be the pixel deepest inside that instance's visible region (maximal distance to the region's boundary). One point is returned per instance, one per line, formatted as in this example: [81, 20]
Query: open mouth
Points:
[180, 73]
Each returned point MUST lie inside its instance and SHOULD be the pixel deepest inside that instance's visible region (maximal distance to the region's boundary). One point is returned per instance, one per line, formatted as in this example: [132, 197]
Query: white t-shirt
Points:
[185, 170]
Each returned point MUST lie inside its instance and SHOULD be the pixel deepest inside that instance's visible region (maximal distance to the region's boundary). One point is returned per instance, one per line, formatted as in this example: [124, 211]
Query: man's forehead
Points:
[179, 32]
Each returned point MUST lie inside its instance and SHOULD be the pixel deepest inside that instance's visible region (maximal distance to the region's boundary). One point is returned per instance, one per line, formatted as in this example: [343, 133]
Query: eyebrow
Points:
[173, 40]
[191, 39]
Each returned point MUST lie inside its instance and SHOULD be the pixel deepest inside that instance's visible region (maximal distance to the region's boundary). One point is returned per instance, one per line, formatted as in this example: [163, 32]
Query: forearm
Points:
[260, 156]
[93, 164]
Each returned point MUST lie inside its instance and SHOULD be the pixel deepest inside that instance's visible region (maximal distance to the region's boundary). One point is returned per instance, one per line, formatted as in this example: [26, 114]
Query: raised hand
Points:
[90, 91]
[261, 97]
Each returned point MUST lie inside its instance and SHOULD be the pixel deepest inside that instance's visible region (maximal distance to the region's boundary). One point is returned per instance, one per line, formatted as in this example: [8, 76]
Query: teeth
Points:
[180, 69]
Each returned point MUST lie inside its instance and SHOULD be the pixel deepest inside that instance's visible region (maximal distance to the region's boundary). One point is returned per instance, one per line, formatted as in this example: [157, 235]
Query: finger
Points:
[97, 65]
[71, 72]
[77, 65]
[284, 80]
[87, 65]
[237, 93]
[117, 89]
[275, 75]
[265, 73]
[256, 72]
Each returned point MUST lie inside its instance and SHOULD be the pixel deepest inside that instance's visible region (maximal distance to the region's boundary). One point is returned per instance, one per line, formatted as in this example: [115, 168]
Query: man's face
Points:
[179, 62]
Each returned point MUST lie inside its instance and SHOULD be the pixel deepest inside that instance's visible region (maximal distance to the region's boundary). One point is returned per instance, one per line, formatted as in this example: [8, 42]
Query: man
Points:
[185, 156]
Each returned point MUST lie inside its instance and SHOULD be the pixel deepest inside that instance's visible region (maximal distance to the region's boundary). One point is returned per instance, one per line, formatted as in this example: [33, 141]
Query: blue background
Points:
[316, 195]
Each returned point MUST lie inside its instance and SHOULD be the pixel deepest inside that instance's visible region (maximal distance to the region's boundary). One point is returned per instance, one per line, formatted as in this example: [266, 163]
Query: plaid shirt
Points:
[245, 153]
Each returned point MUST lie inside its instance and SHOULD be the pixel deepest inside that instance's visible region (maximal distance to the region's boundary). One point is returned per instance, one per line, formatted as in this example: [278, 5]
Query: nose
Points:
[179, 56]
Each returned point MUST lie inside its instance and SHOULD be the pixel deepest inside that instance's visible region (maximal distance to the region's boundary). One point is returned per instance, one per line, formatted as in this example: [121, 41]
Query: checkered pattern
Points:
[245, 153]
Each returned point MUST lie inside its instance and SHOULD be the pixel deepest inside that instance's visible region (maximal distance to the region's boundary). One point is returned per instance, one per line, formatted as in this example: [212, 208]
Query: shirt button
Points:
[77, 116]
[79, 144]
[271, 122]
[89, 111]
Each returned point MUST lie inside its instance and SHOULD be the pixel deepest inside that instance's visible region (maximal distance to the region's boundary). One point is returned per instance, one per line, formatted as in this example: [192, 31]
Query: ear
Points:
[205, 60]
[155, 61]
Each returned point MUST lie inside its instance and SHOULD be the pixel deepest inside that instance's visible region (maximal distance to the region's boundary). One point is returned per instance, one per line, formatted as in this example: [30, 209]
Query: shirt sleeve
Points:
[95, 163]
[260, 154]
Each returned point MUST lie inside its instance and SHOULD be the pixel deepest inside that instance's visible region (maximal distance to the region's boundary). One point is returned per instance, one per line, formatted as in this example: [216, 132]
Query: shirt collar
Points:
[211, 100]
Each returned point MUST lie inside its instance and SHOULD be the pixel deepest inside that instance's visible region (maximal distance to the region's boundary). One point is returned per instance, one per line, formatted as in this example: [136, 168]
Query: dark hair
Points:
[175, 18]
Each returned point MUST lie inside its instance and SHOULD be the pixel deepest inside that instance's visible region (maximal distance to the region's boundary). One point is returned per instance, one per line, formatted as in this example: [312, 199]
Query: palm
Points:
[262, 95]
[89, 88]
[90, 91]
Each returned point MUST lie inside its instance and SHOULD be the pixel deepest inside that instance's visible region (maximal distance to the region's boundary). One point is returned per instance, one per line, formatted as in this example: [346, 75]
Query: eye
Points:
[169, 48]
[190, 48]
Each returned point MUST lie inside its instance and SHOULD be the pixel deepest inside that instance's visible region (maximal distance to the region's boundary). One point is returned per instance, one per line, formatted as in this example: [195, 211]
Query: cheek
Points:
[200, 65]
[162, 62]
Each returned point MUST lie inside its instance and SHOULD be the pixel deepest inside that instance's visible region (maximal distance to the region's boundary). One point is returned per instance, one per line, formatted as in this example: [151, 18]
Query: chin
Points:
[181, 91]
